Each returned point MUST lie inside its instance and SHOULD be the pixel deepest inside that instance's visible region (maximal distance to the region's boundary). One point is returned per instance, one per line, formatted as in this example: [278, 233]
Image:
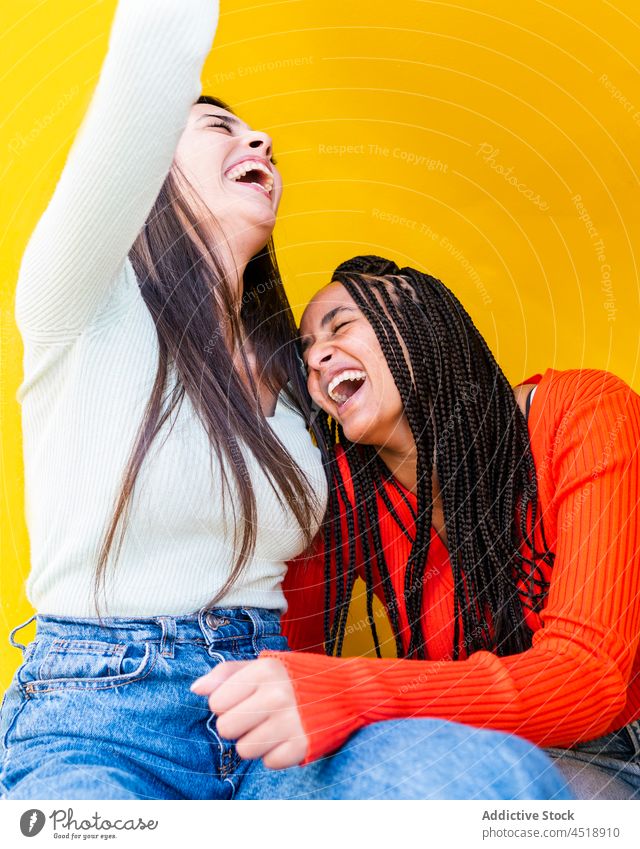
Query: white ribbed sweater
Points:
[91, 355]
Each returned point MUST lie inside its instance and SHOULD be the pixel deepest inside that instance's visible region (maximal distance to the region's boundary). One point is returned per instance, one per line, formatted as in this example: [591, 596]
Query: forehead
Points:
[328, 298]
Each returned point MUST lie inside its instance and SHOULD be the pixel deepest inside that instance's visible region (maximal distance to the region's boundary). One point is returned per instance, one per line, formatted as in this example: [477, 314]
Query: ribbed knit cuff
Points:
[322, 687]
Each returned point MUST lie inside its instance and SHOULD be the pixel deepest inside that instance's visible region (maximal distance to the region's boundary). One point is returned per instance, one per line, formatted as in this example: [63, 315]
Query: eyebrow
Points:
[231, 119]
[326, 319]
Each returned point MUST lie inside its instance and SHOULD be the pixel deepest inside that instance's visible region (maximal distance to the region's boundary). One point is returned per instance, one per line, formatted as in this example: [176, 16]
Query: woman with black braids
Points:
[503, 541]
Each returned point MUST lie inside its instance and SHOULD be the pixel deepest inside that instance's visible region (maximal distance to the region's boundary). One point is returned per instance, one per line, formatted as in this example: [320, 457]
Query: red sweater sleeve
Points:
[571, 684]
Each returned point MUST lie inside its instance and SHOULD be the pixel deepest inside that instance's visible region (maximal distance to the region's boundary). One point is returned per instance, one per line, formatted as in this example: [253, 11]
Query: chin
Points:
[359, 432]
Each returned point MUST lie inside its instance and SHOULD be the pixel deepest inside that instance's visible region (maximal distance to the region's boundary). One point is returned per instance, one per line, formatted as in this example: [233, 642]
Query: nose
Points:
[260, 142]
[319, 354]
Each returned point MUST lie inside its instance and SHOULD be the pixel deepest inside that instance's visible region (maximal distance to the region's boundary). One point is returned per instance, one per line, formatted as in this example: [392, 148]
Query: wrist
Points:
[326, 700]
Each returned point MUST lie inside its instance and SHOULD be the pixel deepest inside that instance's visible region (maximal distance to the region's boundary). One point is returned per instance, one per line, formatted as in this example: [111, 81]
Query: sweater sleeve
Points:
[571, 684]
[120, 157]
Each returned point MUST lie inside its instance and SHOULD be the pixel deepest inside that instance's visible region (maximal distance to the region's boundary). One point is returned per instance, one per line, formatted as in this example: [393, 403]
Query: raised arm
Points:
[117, 164]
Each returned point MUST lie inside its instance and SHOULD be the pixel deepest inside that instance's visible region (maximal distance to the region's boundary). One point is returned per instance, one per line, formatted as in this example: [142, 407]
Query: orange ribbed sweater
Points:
[581, 677]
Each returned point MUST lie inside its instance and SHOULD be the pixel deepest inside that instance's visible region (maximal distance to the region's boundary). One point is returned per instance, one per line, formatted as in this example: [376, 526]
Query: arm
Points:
[117, 163]
[572, 683]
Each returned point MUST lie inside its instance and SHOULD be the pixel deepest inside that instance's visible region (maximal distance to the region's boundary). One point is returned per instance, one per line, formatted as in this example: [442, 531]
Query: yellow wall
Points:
[454, 136]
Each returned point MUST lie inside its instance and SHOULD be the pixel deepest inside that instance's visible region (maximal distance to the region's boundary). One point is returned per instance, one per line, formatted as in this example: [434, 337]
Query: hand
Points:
[255, 705]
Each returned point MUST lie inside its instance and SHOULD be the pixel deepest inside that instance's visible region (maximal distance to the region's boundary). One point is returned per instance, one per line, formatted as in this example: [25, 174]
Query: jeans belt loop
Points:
[633, 733]
[258, 627]
[19, 628]
[168, 640]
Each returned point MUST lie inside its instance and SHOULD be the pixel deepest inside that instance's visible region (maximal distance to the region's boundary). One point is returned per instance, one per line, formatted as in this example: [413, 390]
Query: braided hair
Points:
[468, 427]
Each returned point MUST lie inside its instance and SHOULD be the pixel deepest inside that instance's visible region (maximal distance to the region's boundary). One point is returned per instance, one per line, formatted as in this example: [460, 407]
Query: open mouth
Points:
[252, 173]
[345, 386]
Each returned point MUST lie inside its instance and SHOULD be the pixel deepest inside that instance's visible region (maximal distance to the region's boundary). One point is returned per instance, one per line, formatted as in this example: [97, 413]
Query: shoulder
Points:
[579, 402]
[567, 394]
[574, 386]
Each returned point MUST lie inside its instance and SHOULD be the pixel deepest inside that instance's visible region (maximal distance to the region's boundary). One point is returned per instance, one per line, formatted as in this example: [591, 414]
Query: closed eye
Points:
[228, 128]
[306, 343]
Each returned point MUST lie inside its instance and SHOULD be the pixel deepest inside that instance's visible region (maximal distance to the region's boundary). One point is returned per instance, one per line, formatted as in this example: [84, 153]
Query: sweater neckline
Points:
[413, 501]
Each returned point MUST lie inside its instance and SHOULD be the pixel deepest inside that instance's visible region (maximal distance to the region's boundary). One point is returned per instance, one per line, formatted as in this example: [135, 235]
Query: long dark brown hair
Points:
[200, 321]
[467, 425]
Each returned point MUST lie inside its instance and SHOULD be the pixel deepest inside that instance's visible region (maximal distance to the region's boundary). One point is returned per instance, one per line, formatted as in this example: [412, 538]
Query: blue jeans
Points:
[605, 768]
[104, 711]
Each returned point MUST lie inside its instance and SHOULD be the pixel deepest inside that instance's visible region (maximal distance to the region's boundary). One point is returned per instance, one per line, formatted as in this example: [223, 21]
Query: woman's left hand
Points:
[255, 705]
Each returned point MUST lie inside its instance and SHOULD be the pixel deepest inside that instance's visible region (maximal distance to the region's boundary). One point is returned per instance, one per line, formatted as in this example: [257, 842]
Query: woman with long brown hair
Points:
[169, 471]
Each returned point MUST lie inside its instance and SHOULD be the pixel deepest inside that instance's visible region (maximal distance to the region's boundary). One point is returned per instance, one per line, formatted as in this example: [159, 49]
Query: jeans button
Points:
[214, 622]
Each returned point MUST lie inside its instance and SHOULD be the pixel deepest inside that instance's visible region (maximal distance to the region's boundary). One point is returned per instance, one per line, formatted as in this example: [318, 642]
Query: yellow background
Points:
[450, 136]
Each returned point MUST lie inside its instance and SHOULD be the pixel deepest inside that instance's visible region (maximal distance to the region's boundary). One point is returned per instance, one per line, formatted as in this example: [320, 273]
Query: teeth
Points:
[349, 374]
[252, 165]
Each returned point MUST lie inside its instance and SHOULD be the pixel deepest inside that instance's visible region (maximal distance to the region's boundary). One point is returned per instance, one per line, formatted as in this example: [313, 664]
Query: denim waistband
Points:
[212, 626]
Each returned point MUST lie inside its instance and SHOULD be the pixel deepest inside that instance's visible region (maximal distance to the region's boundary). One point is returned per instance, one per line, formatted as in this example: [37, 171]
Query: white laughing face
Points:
[348, 376]
[232, 169]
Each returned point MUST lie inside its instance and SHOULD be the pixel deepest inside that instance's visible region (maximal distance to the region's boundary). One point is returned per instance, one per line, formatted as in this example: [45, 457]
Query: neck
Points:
[234, 262]
[237, 243]
[403, 465]
[399, 454]
[401, 460]
[233, 248]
